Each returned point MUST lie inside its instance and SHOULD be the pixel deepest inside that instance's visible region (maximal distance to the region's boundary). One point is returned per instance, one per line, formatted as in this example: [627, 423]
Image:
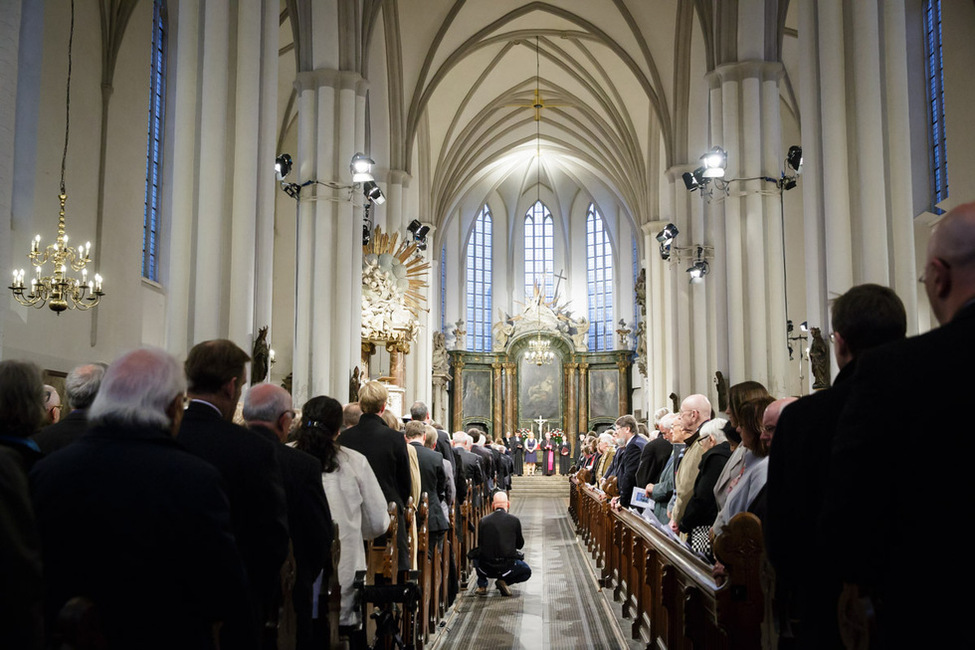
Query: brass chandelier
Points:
[59, 288]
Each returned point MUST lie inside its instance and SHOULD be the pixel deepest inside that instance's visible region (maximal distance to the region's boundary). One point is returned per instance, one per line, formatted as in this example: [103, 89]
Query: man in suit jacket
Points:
[470, 464]
[132, 521]
[869, 508]
[478, 438]
[250, 470]
[864, 317]
[631, 447]
[268, 412]
[433, 481]
[385, 450]
[499, 540]
[655, 455]
[81, 386]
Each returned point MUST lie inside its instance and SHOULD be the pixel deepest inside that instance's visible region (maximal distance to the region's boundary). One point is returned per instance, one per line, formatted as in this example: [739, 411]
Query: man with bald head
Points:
[695, 410]
[867, 515]
[499, 540]
[268, 412]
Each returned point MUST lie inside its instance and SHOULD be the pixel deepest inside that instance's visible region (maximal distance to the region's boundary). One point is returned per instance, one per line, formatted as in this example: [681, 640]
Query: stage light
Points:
[361, 168]
[715, 161]
[699, 269]
[667, 234]
[282, 166]
[665, 251]
[419, 232]
[804, 326]
[794, 158]
[373, 193]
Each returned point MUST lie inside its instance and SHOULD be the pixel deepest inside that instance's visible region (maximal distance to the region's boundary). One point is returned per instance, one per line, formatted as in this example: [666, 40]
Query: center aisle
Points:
[559, 607]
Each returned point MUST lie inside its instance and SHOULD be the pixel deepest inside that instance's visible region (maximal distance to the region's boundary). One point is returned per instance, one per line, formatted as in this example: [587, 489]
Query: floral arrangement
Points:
[558, 436]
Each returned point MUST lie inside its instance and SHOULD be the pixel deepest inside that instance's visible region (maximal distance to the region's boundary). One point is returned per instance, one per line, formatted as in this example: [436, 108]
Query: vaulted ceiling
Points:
[452, 83]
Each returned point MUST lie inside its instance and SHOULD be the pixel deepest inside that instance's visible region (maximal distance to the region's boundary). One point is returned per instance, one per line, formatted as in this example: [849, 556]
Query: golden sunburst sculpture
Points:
[393, 276]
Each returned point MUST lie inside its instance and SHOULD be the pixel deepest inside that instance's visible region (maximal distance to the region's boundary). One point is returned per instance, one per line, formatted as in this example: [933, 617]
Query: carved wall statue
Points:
[459, 333]
[441, 362]
[260, 357]
[819, 359]
[640, 288]
[641, 347]
[392, 278]
[722, 385]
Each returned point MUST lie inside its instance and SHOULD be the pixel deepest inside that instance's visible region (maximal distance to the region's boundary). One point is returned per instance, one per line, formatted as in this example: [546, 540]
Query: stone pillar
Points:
[368, 349]
[497, 401]
[584, 396]
[439, 406]
[745, 121]
[510, 396]
[397, 362]
[458, 393]
[659, 331]
[572, 403]
[329, 237]
[220, 206]
[623, 366]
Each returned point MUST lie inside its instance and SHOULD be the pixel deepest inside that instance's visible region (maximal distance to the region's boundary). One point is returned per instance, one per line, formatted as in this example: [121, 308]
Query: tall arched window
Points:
[599, 268]
[154, 144]
[539, 250]
[936, 100]
[479, 283]
[443, 288]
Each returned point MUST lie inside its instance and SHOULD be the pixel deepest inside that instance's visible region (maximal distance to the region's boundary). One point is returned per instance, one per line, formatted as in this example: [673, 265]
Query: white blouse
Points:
[359, 508]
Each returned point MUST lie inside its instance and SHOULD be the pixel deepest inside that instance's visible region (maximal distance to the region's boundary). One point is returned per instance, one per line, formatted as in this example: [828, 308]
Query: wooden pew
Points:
[666, 590]
[424, 567]
[382, 557]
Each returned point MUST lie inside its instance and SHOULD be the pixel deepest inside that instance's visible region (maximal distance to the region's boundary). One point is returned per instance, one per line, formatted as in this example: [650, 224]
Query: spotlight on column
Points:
[373, 193]
[693, 180]
[804, 326]
[291, 189]
[282, 166]
[698, 270]
[668, 233]
[419, 232]
[366, 234]
[794, 158]
[665, 251]
[361, 168]
[715, 161]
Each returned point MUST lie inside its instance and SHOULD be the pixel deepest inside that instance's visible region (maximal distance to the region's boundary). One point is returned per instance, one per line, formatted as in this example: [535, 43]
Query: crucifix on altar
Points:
[540, 422]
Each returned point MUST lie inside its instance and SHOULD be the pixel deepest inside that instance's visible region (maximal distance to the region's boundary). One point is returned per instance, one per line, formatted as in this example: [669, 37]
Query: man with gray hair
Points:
[81, 387]
[126, 507]
[268, 413]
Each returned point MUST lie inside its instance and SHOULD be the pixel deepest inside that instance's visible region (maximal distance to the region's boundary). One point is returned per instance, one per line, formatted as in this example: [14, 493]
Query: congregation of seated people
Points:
[156, 513]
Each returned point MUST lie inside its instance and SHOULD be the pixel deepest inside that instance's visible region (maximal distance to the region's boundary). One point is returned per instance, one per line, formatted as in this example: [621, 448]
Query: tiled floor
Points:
[559, 607]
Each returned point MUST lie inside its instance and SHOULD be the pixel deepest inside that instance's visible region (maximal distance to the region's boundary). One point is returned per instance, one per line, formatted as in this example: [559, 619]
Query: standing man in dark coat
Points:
[135, 523]
[631, 447]
[488, 468]
[432, 481]
[470, 465]
[385, 450]
[268, 412]
[251, 475]
[81, 386]
[864, 317]
[655, 455]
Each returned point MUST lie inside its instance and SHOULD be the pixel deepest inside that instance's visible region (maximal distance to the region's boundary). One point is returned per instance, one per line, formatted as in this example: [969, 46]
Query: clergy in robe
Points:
[565, 457]
[518, 452]
[548, 455]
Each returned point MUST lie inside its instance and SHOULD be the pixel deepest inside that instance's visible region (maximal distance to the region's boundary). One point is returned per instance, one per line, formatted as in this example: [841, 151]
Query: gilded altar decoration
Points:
[393, 273]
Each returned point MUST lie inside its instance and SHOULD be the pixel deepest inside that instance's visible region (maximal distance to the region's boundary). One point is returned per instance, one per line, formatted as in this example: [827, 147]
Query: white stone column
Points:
[328, 315]
[747, 124]
[659, 332]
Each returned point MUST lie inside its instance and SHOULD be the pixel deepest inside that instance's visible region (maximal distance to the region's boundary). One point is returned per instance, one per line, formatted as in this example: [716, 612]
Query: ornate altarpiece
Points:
[502, 391]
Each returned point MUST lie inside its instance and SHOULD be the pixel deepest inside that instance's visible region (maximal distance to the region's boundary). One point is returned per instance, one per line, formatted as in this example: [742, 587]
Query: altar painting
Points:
[477, 394]
[604, 393]
[539, 390]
